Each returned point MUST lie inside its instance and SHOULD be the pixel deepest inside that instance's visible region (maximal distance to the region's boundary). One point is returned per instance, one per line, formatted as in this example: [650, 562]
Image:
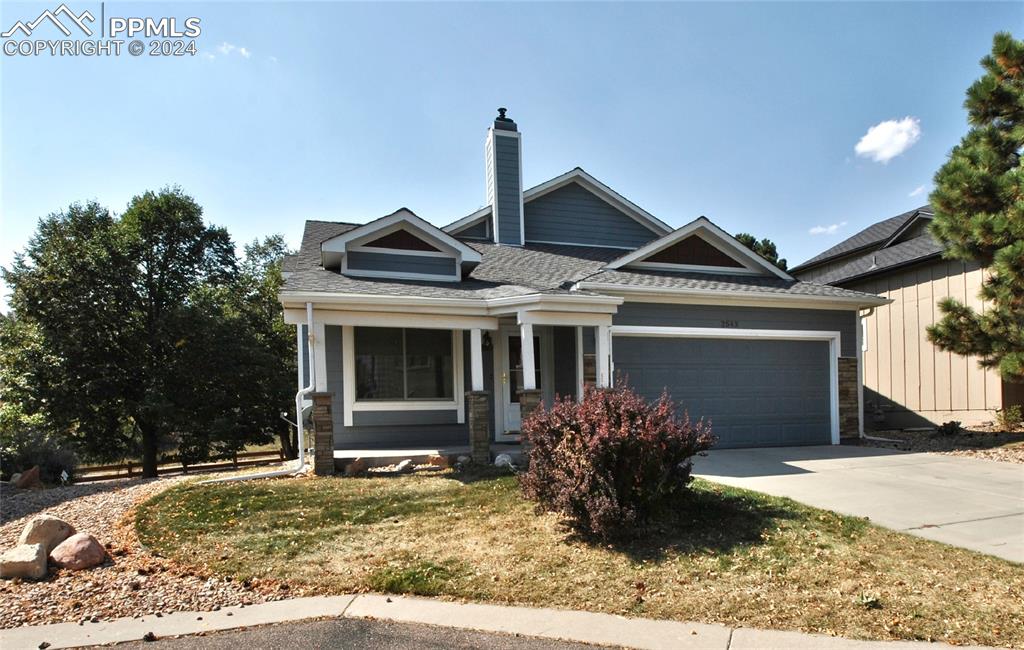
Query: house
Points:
[908, 382]
[427, 336]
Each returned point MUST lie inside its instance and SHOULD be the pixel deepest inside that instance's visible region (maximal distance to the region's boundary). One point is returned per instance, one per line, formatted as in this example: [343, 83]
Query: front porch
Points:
[391, 385]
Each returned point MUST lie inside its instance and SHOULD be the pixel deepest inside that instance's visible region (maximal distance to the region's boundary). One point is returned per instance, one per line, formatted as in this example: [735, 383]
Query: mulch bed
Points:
[973, 442]
[131, 582]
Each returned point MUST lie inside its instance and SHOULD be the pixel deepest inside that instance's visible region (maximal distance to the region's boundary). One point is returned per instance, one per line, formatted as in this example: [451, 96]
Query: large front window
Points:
[403, 364]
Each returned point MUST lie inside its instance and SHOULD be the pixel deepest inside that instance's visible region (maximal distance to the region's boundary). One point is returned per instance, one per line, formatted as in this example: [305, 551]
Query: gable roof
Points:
[725, 242]
[580, 176]
[886, 259]
[548, 269]
[400, 217]
[875, 234]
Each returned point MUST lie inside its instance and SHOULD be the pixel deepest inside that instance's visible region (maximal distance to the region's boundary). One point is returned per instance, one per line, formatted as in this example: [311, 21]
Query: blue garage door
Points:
[756, 393]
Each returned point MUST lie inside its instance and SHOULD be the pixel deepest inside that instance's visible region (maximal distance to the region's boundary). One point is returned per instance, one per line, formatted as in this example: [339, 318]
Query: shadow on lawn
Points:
[701, 520]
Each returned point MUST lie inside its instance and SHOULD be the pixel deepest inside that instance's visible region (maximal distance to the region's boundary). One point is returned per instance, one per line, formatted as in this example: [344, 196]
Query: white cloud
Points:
[830, 229]
[917, 190]
[886, 140]
[228, 49]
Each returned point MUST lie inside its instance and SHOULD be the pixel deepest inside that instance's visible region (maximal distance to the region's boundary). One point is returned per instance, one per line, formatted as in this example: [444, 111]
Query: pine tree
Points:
[979, 215]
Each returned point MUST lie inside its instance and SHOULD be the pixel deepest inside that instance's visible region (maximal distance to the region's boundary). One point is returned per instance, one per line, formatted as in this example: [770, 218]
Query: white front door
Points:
[512, 375]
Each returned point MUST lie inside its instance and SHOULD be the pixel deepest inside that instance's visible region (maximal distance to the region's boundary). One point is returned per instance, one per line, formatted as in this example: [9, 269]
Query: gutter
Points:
[299, 398]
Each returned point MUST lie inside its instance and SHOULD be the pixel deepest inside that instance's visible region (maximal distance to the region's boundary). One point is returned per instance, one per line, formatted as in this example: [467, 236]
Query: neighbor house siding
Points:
[574, 215]
[394, 263]
[396, 428]
[668, 315]
[906, 378]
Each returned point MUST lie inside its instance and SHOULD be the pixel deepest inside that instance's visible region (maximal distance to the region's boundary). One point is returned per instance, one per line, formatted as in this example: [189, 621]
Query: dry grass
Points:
[722, 555]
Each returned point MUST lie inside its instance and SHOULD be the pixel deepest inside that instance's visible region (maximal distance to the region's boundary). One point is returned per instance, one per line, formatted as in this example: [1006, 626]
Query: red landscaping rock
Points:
[80, 551]
[29, 479]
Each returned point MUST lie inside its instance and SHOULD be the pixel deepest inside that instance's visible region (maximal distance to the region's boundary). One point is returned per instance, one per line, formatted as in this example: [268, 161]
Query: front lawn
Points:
[723, 555]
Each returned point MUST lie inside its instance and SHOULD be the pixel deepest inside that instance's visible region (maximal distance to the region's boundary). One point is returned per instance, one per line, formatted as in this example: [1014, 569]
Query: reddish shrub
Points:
[604, 462]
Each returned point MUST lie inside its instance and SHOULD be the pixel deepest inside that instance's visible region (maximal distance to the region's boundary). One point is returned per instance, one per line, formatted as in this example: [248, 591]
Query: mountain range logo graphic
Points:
[53, 16]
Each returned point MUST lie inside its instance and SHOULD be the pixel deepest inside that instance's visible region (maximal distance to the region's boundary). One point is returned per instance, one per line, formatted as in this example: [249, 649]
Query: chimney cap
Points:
[504, 123]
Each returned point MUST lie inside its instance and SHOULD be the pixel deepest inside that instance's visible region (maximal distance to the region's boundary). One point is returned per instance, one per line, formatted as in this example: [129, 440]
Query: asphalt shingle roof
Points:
[874, 234]
[912, 250]
[712, 282]
[507, 271]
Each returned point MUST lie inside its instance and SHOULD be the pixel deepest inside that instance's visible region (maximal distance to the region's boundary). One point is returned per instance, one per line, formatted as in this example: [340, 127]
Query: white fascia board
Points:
[602, 191]
[564, 303]
[741, 298]
[464, 306]
[393, 222]
[396, 319]
[703, 228]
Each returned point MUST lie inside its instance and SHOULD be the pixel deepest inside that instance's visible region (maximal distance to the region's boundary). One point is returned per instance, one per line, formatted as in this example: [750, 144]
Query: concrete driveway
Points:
[976, 504]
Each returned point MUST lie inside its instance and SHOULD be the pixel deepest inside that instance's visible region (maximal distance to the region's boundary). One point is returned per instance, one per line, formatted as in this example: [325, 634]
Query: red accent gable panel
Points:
[693, 250]
[401, 239]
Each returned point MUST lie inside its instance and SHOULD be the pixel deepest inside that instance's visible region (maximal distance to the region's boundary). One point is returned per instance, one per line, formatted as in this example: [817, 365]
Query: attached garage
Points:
[758, 388]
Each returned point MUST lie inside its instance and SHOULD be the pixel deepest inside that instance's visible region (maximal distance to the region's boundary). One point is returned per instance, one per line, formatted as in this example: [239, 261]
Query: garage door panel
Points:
[755, 392]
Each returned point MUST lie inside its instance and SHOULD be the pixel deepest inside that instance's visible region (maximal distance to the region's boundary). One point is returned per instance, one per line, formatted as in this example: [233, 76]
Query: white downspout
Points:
[299, 398]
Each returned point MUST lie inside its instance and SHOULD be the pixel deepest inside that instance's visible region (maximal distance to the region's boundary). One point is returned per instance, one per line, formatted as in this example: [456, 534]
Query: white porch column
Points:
[529, 365]
[603, 350]
[476, 359]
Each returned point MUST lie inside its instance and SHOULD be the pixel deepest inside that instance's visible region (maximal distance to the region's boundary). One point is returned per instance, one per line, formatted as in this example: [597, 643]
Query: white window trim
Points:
[834, 350]
[352, 405]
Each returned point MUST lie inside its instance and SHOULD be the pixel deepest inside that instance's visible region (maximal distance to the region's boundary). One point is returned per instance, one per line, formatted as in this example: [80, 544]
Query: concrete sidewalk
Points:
[582, 627]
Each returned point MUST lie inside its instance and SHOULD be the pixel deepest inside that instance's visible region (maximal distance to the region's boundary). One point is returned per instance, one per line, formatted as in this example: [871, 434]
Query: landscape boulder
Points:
[405, 466]
[80, 551]
[503, 460]
[29, 479]
[24, 561]
[46, 530]
[357, 467]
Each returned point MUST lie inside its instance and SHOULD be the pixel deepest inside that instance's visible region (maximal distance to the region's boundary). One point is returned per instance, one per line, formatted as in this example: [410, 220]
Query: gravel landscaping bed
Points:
[973, 443]
[131, 582]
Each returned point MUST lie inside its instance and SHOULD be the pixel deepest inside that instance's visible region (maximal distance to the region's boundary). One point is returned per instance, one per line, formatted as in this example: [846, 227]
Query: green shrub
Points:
[24, 443]
[1009, 418]
[607, 461]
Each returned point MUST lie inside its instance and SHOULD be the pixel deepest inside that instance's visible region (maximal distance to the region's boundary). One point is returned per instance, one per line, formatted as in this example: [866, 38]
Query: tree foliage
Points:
[142, 334]
[979, 215]
[763, 247]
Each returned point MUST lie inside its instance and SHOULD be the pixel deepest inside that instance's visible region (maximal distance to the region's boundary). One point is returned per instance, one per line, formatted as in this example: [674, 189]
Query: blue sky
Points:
[746, 113]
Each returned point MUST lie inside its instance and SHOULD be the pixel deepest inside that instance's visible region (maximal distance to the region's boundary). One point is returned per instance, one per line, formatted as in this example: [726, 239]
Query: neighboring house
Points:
[427, 336]
[908, 382]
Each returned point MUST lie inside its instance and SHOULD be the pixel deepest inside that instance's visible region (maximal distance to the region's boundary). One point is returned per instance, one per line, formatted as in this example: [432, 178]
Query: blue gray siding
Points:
[392, 263]
[480, 230]
[507, 189]
[397, 428]
[304, 350]
[572, 214]
[667, 315]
